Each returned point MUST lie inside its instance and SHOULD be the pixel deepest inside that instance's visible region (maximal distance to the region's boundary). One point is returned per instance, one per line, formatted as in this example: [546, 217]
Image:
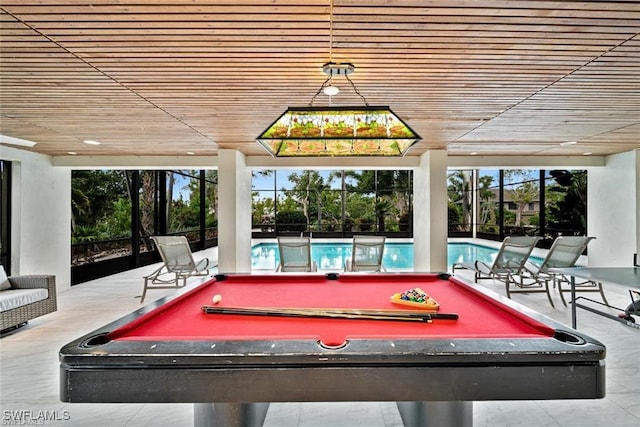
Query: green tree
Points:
[211, 195]
[454, 214]
[567, 201]
[263, 209]
[521, 187]
[487, 201]
[307, 188]
[117, 224]
[147, 196]
[391, 189]
[290, 221]
[382, 208]
[459, 193]
[94, 196]
[360, 208]
[522, 195]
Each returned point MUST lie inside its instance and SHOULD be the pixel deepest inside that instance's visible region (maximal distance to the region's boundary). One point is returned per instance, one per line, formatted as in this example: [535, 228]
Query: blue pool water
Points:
[397, 256]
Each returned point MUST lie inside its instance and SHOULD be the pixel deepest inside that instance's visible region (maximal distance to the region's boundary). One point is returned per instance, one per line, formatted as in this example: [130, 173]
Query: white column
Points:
[234, 216]
[613, 203]
[636, 153]
[475, 192]
[430, 213]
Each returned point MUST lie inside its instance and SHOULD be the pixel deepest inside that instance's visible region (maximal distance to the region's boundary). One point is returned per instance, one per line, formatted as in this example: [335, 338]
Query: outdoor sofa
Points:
[23, 298]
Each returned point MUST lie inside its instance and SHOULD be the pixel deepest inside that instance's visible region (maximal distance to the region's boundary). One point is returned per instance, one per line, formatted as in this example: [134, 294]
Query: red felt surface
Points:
[183, 319]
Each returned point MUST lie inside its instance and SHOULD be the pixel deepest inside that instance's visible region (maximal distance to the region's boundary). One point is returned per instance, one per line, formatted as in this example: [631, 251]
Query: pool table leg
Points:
[431, 414]
[229, 414]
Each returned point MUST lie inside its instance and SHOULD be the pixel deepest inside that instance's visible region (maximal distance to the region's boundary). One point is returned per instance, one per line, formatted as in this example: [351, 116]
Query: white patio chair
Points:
[366, 254]
[178, 264]
[295, 255]
[564, 252]
[508, 263]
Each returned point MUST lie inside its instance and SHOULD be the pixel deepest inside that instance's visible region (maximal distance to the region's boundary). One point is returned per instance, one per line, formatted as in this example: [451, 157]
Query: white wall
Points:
[613, 199]
[40, 217]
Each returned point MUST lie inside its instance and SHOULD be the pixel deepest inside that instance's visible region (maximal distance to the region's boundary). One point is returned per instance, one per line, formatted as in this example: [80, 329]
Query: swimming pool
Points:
[396, 257]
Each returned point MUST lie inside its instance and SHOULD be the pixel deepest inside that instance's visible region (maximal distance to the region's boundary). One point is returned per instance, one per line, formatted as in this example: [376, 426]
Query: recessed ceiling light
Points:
[569, 143]
[473, 154]
[73, 153]
[91, 142]
[588, 153]
[191, 153]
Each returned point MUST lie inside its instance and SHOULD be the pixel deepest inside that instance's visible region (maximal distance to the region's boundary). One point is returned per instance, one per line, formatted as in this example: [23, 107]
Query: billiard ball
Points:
[216, 299]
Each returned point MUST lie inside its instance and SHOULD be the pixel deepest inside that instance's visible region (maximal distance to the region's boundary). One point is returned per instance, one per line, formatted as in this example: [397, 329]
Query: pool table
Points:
[232, 365]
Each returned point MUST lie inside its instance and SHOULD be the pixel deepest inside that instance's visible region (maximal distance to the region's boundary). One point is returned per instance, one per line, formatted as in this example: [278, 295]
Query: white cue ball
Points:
[216, 299]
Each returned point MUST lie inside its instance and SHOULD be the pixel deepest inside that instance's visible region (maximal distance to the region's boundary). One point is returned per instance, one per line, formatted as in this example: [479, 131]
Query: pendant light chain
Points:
[355, 89]
[319, 90]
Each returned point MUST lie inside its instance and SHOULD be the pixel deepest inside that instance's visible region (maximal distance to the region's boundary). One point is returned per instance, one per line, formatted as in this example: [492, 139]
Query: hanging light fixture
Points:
[338, 131]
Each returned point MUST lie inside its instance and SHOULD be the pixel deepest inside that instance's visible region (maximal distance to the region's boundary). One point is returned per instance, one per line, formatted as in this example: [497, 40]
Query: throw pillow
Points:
[4, 281]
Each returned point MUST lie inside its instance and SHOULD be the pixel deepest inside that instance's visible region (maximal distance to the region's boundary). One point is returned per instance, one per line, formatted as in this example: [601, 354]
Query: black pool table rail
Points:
[567, 365]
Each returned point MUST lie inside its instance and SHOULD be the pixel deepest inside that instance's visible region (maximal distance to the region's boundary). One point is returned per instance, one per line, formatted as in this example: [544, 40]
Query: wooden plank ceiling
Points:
[151, 77]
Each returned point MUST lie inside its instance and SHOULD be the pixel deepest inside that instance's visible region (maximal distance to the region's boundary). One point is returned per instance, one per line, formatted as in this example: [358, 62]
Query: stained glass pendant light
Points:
[338, 131]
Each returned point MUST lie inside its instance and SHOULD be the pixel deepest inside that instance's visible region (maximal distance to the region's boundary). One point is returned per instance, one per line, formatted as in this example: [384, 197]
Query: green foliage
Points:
[364, 224]
[118, 223]
[94, 194]
[95, 204]
[348, 224]
[101, 203]
[291, 221]
[488, 207]
[567, 201]
[459, 194]
[525, 193]
[404, 222]
[454, 216]
[516, 176]
[308, 188]
[288, 204]
[184, 216]
[509, 217]
[360, 208]
[83, 233]
[361, 198]
[263, 209]
[382, 208]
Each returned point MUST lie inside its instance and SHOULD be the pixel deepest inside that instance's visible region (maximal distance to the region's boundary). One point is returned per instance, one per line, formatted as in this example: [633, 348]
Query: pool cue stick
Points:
[444, 316]
[369, 311]
[311, 313]
[315, 310]
[377, 311]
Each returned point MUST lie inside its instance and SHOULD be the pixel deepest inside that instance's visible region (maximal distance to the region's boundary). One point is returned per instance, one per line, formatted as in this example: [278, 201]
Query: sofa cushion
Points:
[4, 281]
[14, 298]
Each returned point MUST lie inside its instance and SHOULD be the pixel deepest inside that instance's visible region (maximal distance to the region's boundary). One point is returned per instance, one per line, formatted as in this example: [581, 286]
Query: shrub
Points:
[291, 221]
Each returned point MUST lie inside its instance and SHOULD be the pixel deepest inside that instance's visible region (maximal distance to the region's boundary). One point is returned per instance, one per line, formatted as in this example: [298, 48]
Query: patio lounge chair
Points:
[295, 255]
[508, 263]
[178, 265]
[366, 254]
[564, 252]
